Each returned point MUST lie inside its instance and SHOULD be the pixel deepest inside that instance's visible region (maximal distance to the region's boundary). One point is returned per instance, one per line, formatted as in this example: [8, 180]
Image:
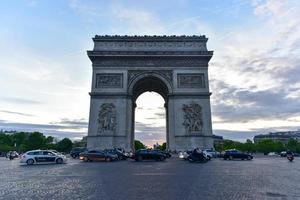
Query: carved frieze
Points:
[112, 80]
[150, 46]
[192, 120]
[167, 74]
[191, 80]
[153, 62]
[107, 119]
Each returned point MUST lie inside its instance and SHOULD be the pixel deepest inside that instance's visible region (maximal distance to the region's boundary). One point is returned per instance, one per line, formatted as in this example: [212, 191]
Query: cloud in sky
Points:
[46, 75]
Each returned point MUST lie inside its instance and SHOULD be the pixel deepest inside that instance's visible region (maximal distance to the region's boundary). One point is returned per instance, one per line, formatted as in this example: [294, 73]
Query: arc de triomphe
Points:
[124, 67]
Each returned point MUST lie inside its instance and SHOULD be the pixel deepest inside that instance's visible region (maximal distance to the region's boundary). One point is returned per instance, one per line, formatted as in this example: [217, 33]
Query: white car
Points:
[42, 156]
[273, 154]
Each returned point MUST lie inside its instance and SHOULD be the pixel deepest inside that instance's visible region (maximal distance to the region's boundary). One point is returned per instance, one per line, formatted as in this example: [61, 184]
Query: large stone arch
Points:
[146, 78]
[173, 66]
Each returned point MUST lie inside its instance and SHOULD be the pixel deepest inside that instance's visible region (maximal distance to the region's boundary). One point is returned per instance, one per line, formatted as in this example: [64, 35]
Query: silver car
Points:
[42, 156]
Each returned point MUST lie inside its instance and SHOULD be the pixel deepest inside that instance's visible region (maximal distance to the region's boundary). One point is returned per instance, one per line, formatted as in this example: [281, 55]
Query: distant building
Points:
[218, 140]
[278, 136]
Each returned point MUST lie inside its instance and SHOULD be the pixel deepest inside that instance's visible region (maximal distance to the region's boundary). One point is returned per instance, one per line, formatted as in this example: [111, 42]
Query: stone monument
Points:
[124, 67]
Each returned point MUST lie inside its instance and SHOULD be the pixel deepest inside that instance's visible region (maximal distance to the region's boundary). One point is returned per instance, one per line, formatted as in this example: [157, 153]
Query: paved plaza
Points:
[261, 178]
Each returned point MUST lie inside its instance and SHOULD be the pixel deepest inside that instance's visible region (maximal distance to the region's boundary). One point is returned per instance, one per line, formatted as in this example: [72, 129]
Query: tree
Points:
[65, 145]
[293, 145]
[138, 145]
[163, 146]
[19, 138]
[35, 140]
[266, 146]
[5, 148]
[50, 144]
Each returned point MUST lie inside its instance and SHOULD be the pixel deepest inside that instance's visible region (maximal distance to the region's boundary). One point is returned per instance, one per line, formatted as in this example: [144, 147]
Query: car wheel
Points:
[73, 156]
[59, 161]
[30, 162]
[249, 158]
[107, 159]
[230, 157]
[85, 159]
[139, 158]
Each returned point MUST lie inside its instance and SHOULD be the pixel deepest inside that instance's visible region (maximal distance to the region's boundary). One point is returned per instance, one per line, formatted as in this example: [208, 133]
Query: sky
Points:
[45, 74]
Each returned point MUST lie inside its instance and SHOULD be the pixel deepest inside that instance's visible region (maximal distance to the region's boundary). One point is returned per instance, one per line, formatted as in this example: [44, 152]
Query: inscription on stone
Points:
[193, 122]
[107, 119]
[190, 80]
[109, 80]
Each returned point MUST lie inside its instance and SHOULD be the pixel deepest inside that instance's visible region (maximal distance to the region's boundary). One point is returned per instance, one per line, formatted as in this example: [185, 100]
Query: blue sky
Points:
[45, 74]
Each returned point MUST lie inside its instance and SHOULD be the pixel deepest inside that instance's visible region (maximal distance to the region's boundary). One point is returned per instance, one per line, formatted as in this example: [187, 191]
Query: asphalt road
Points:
[261, 178]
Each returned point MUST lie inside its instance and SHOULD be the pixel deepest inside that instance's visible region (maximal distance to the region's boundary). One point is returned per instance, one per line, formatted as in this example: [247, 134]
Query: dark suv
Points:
[148, 154]
[235, 154]
[76, 151]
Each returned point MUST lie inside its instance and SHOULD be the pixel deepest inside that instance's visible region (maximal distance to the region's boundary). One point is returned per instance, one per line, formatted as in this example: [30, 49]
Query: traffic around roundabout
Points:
[108, 155]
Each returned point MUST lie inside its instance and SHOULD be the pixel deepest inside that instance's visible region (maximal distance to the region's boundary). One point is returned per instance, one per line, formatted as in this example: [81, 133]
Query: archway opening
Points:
[150, 120]
[150, 110]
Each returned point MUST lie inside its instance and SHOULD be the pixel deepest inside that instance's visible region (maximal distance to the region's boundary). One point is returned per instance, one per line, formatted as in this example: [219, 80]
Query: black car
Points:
[94, 155]
[235, 154]
[121, 155]
[148, 154]
[76, 151]
[168, 155]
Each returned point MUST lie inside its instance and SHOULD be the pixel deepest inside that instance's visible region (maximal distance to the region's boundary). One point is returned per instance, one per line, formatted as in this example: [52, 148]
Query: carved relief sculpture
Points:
[109, 80]
[107, 118]
[190, 80]
[193, 122]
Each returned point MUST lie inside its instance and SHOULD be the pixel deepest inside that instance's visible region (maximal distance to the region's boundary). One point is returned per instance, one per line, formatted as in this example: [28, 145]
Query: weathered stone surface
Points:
[126, 66]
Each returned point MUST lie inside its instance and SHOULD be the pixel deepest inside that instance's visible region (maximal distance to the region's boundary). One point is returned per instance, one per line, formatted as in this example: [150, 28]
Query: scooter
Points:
[290, 157]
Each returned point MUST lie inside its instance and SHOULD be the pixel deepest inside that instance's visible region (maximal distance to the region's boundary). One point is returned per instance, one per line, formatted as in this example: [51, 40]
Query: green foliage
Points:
[162, 147]
[25, 141]
[293, 145]
[65, 145]
[138, 145]
[5, 148]
[35, 140]
[264, 146]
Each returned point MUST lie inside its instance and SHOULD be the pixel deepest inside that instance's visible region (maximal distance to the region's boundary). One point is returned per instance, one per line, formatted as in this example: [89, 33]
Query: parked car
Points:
[283, 154]
[12, 155]
[148, 154]
[211, 153]
[235, 154]
[76, 151]
[167, 154]
[54, 151]
[121, 155]
[42, 156]
[94, 155]
[296, 155]
[273, 154]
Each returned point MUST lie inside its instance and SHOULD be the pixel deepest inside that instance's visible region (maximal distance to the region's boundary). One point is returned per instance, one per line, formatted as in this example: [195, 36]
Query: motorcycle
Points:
[290, 157]
[200, 157]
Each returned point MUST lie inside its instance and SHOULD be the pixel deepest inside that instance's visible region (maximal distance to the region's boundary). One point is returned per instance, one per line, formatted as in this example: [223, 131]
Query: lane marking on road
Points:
[152, 174]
